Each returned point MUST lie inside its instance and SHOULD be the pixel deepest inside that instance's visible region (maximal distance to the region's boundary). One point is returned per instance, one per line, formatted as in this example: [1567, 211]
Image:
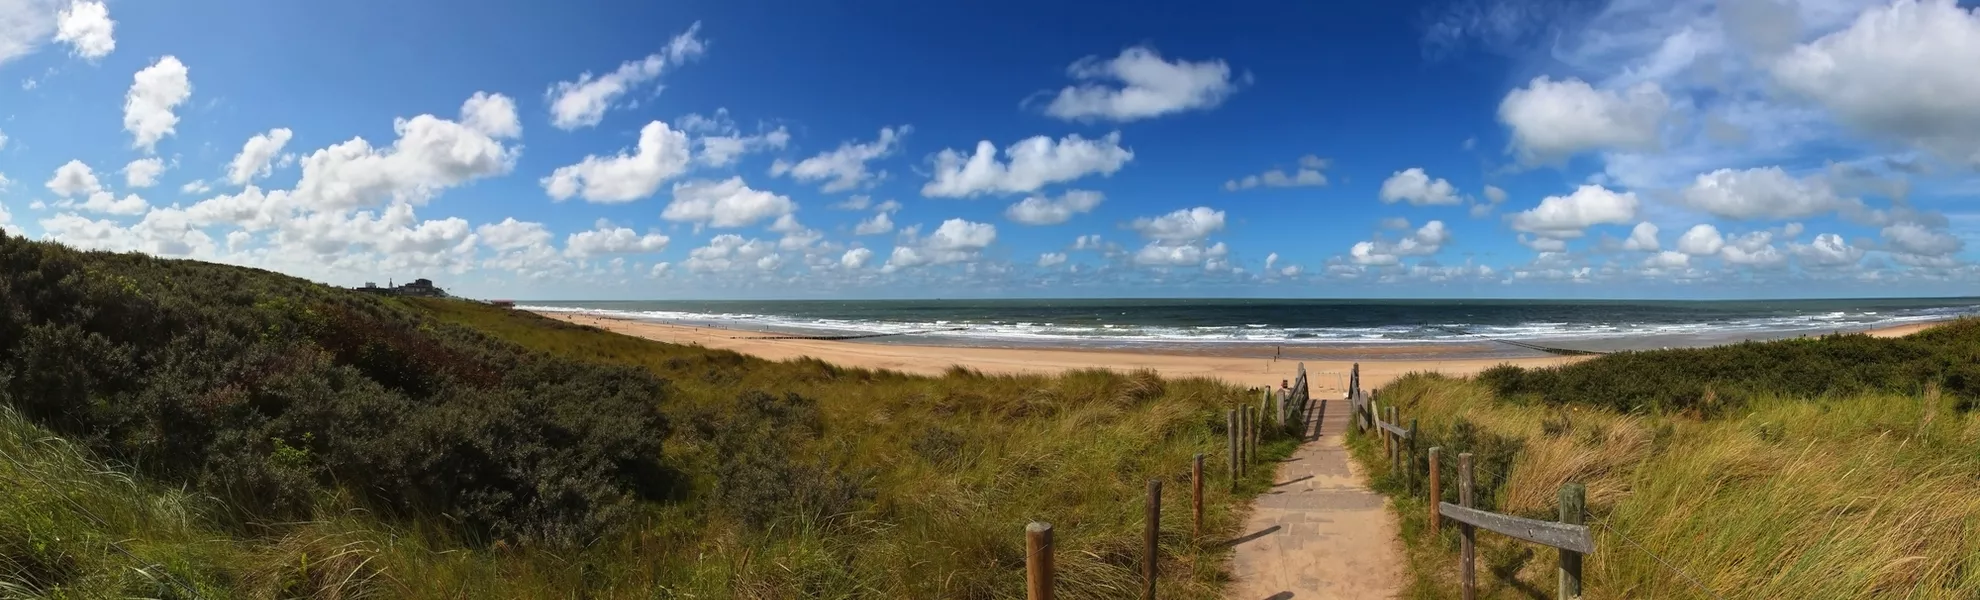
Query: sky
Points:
[896, 149]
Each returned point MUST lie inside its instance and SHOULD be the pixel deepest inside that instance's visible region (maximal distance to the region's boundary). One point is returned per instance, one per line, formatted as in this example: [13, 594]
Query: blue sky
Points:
[1537, 148]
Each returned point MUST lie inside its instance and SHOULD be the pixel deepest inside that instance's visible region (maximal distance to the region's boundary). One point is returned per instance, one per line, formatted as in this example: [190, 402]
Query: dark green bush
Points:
[267, 391]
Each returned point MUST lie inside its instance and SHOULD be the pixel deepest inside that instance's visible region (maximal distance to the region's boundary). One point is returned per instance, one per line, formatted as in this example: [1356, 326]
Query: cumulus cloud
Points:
[1381, 252]
[431, 154]
[1902, 71]
[1755, 250]
[582, 103]
[255, 155]
[143, 172]
[1827, 250]
[1763, 193]
[1913, 238]
[1308, 174]
[722, 144]
[1552, 120]
[1182, 226]
[1667, 260]
[729, 252]
[73, 179]
[607, 239]
[87, 29]
[511, 234]
[1158, 254]
[1087, 242]
[1701, 240]
[957, 240]
[1041, 210]
[844, 168]
[1033, 163]
[855, 258]
[1568, 216]
[1051, 259]
[1643, 238]
[1139, 84]
[1414, 186]
[155, 92]
[662, 154]
[108, 203]
[878, 224]
[726, 203]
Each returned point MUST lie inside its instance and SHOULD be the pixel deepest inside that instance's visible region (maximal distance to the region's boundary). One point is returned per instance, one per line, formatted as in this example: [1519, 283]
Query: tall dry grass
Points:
[1865, 496]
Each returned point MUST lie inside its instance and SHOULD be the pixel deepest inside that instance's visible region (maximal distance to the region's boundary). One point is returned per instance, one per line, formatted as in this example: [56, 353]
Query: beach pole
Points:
[1038, 561]
[1574, 499]
[1154, 534]
[1231, 432]
[1467, 534]
[1196, 498]
[1411, 470]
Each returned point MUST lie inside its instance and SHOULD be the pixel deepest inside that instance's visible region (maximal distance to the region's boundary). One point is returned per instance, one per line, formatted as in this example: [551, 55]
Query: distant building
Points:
[423, 288]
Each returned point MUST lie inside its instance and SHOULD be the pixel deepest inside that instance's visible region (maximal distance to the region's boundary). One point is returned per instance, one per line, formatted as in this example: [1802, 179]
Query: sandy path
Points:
[1320, 534]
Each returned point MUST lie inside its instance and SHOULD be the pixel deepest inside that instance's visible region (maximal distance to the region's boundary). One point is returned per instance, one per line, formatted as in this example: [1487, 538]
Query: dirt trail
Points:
[1321, 533]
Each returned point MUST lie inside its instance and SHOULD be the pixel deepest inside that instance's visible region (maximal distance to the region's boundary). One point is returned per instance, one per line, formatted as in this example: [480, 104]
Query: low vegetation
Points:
[1847, 481]
[182, 429]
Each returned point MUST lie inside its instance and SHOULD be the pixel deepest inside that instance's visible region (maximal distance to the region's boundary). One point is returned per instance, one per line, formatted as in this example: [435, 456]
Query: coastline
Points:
[1326, 371]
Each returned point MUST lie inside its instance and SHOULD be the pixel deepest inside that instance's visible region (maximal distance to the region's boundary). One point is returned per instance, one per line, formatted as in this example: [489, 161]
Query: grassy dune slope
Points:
[181, 429]
[1853, 493]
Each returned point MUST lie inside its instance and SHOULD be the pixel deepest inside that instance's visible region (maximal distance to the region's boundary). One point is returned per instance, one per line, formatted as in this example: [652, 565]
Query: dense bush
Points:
[267, 391]
[1710, 380]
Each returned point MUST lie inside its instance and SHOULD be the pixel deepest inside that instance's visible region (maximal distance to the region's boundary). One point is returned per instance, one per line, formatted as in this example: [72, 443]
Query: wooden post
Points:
[1038, 561]
[1574, 499]
[1154, 532]
[1436, 493]
[1244, 440]
[1409, 466]
[1196, 497]
[1231, 432]
[1396, 451]
[1467, 552]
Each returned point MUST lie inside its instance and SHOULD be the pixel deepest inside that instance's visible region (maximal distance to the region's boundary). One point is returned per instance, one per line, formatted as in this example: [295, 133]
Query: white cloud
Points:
[1543, 244]
[143, 172]
[612, 240]
[162, 232]
[1270, 259]
[1667, 260]
[1903, 70]
[1754, 249]
[3, 140]
[1701, 240]
[253, 159]
[1087, 242]
[511, 234]
[1034, 163]
[876, 225]
[196, 186]
[1425, 241]
[108, 203]
[1828, 250]
[957, 240]
[662, 154]
[1494, 195]
[726, 203]
[1552, 120]
[1764, 193]
[723, 150]
[844, 168]
[1051, 259]
[251, 209]
[1041, 210]
[1290, 271]
[1791, 230]
[73, 179]
[1157, 254]
[1567, 216]
[1417, 188]
[1139, 84]
[1186, 225]
[87, 29]
[1308, 174]
[854, 202]
[582, 103]
[431, 154]
[155, 92]
[1912, 238]
[1643, 238]
[855, 258]
[728, 252]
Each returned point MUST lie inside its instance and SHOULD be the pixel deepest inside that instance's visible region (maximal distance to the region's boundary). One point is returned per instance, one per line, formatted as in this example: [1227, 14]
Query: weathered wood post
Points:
[1436, 493]
[1410, 465]
[1196, 497]
[1231, 432]
[1574, 501]
[1468, 534]
[1244, 440]
[1154, 534]
[1038, 561]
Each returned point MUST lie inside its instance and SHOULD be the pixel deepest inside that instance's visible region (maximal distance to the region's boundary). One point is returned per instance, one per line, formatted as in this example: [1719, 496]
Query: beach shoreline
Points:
[1326, 371]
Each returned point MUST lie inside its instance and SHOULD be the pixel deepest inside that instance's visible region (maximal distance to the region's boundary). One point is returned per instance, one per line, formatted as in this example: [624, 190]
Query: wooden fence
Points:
[1568, 535]
[1244, 425]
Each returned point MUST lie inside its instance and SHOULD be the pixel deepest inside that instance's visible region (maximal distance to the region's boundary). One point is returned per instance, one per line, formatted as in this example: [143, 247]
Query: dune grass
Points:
[1861, 495]
[793, 479]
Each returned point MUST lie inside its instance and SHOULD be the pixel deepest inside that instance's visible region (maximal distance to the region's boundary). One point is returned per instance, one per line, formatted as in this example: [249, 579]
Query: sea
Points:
[1286, 327]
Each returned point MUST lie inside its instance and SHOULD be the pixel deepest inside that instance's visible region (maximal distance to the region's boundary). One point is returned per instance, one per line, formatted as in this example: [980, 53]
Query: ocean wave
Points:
[1254, 333]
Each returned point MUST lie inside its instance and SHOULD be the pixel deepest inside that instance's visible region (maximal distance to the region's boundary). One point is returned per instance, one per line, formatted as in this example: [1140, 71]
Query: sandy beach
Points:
[1326, 374]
